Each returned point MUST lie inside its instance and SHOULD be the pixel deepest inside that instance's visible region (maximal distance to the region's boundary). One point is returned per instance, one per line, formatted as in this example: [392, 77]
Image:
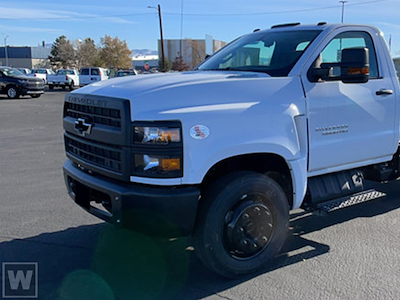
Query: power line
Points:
[192, 14]
[274, 12]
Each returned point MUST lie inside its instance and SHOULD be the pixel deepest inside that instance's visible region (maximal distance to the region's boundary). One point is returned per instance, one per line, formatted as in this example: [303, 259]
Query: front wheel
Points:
[242, 224]
[12, 92]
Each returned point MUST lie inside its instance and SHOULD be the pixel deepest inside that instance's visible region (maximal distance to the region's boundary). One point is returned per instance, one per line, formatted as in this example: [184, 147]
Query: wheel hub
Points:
[12, 92]
[248, 229]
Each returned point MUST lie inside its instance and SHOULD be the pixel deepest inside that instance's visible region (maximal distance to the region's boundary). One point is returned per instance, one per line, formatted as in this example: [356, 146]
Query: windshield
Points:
[39, 71]
[274, 53]
[12, 72]
[65, 72]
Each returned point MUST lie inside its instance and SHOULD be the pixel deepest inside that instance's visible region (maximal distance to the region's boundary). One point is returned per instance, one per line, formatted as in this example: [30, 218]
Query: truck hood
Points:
[153, 96]
[118, 87]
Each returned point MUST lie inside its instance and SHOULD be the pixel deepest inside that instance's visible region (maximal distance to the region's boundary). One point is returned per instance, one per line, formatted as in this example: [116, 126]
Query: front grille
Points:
[98, 115]
[34, 85]
[99, 154]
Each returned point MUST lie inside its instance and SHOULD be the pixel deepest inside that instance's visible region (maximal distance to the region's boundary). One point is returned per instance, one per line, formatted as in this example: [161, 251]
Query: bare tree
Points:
[88, 54]
[198, 52]
[115, 53]
[179, 64]
[195, 51]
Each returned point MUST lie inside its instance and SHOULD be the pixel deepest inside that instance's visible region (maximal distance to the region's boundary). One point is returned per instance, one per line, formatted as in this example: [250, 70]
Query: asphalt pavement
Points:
[348, 254]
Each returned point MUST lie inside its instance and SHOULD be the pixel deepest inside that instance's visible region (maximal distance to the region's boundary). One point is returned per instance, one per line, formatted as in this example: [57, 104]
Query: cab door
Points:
[350, 124]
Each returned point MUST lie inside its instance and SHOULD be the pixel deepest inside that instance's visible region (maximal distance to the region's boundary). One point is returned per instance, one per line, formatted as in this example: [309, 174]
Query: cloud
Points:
[26, 14]
[28, 29]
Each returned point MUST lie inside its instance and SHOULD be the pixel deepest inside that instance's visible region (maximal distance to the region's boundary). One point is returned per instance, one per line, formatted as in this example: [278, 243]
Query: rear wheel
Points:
[51, 87]
[12, 92]
[71, 86]
[242, 224]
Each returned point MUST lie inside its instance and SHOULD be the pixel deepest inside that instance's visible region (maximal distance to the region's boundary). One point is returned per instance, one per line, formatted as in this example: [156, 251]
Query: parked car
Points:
[26, 71]
[42, 73]
[121, 73]
[92, 74]
[64, 78]
[14, 83]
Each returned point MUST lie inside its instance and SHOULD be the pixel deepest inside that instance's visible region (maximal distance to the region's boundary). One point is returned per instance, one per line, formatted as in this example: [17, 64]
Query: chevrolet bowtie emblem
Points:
[82, 127]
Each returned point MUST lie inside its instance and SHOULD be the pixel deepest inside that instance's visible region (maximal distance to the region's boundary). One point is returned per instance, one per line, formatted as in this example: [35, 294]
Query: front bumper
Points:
[59, 83]
[159, 211]
[29, 90]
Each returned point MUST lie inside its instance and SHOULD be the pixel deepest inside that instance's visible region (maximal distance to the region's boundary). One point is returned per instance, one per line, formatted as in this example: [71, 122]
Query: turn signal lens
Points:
[170, 164]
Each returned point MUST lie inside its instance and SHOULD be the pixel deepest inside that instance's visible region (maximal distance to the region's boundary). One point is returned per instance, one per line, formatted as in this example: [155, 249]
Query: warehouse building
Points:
[24, 57]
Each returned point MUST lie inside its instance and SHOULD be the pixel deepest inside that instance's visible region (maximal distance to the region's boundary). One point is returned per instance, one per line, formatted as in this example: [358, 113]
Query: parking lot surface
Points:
[353, 253]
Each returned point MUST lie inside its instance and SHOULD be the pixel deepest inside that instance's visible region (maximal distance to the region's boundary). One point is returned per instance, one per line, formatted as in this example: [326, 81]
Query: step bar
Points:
[358, 198]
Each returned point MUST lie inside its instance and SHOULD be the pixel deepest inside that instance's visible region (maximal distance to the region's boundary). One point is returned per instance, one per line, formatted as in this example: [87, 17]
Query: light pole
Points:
[162, 36]
[343, 2]
[180, 43]
[5, 49]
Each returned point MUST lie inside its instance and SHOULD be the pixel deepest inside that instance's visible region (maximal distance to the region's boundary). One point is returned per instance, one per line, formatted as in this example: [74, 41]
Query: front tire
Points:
[242, 224]
[12, 92]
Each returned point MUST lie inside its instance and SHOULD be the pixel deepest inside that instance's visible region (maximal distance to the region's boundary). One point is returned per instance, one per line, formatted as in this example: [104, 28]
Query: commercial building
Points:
[396, 62]
[193, 51]
[24, 57]
[145, 63]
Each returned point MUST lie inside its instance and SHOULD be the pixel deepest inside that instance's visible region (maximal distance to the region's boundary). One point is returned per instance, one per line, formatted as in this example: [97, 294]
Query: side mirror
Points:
[353, 68]
[355, 65]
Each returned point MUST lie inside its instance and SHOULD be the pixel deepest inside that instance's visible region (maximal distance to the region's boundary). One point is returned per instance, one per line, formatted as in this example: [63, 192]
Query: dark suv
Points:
[14, 83]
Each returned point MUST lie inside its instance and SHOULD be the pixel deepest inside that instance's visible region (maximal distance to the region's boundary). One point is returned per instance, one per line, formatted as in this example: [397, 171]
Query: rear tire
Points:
[12, 92]
[242, 224]
[51, 87]
[72, 86]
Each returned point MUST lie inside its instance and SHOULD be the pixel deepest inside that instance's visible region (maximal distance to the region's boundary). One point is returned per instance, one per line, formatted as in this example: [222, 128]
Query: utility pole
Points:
[5, 49]
[343, 2]
[162, 37]
[180, 43]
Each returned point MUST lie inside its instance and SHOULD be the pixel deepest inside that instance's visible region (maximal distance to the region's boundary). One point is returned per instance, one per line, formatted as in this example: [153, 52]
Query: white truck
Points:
[89, 75]
[64, 78]
[296, 116]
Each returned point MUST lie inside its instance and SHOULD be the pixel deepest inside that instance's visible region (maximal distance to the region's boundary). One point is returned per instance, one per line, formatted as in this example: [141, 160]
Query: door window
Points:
[352, 39]
[85, 71]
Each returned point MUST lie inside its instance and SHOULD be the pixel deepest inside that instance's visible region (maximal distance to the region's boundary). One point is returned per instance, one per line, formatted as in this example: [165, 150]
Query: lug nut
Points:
[244, 242]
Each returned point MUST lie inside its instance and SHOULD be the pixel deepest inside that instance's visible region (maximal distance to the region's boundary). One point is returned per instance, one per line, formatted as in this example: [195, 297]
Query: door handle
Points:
[384, 92]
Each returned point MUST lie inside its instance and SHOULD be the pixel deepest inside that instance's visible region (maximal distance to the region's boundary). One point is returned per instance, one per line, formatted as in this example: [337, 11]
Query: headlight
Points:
[152, 165]
[156, 135]
[157, 149]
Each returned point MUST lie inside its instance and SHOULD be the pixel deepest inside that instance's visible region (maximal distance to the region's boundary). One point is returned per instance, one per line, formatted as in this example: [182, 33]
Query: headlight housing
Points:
[157, 149]
[156, 135]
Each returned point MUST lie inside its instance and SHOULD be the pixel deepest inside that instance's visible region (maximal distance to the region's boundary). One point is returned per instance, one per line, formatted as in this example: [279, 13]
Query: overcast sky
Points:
[28, 23]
